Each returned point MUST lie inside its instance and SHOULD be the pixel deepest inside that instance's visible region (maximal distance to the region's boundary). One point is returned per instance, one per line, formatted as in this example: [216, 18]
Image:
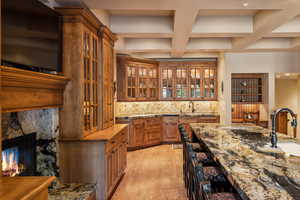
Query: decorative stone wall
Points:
[45, 124]
[159, 107]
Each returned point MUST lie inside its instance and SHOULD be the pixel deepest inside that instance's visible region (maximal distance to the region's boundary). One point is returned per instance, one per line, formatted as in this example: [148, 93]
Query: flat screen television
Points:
[31, 36]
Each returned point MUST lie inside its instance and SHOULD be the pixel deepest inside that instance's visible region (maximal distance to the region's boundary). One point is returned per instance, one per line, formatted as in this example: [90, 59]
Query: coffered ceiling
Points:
[180, 28]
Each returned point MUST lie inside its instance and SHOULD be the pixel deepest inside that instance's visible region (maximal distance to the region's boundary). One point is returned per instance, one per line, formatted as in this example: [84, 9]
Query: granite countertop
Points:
[196, 114]
[71, 191]
[256, 174]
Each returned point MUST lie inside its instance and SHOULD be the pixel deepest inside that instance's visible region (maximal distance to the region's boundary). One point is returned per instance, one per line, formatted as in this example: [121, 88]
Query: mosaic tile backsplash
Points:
[158, 107]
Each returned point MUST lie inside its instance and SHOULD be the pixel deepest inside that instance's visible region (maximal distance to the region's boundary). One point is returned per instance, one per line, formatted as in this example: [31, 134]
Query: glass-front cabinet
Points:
[144, 80]
[188, 81]
[137, 79]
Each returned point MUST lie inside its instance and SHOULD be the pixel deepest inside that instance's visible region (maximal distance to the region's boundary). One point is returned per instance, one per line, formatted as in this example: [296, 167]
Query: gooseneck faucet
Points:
[193, 106]
[274, 138]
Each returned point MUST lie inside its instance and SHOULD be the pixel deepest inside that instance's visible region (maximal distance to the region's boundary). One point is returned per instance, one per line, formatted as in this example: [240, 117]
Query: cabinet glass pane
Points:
[195, 82]
[181, 83]
[209, 83]
[167, 83]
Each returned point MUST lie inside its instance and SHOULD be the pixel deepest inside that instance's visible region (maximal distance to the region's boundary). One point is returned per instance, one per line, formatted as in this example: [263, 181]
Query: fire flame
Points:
[10, 164]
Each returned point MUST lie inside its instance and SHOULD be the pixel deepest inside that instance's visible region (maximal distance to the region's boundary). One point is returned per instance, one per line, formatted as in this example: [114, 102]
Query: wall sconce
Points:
[114, 87]
[222, 87]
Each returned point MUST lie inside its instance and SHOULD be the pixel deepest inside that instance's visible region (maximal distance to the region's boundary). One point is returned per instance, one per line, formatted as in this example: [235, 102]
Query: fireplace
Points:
[19, 156]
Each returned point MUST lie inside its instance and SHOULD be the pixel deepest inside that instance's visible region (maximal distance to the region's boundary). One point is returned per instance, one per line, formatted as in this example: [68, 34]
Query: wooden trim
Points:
[27, 90]
[106, 33]
[80, 14]
[25, 187]
[133, 59]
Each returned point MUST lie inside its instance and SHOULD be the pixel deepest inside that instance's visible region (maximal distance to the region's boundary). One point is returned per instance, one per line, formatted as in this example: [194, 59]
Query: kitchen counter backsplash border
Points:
[161, 107]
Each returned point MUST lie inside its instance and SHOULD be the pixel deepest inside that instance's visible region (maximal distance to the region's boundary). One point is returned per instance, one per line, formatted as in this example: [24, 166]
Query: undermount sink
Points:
[287, 148]
[290, 148]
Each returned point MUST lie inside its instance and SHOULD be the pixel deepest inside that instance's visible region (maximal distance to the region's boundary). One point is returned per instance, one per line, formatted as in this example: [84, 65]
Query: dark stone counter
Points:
[258, 173]
[135, 116]
[71, 191]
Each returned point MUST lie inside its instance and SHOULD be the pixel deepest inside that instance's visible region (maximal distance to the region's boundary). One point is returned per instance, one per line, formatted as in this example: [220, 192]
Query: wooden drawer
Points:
[189, 119]
[170, 119]
[138, 121]
[124, 135]
[117, 140]
[111, 144]
[152, 123]
[209, 120]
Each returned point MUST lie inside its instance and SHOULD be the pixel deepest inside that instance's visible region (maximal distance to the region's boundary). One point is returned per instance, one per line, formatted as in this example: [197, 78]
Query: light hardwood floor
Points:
[153, 174]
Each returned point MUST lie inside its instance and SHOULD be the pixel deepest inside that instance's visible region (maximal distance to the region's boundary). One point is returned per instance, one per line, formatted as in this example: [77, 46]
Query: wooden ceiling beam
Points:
[183, 24]
[264, 23]
[176, 4]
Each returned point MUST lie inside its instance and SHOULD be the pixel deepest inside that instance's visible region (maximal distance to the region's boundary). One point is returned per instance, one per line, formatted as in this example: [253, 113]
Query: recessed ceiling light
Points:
[245, 4]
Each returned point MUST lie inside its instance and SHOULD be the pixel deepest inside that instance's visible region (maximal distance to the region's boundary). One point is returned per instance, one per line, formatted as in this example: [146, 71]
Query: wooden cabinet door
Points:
[138, 129]
[109, 172]
[108, 88]
[123, 156]
[170, 129]
[153, 130]
[115, 165]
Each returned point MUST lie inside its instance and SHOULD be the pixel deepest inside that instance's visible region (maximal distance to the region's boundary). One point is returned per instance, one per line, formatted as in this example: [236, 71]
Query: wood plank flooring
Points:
[153, 174]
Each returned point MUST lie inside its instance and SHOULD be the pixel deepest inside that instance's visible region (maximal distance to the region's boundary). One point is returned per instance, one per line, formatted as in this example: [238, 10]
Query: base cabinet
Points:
[93, 160]
[144, 132]
[170, 129]
[149, 131]
[116, 160]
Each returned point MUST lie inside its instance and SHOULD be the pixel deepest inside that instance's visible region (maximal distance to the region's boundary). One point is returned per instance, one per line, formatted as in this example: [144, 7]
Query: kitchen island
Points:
[256, 171]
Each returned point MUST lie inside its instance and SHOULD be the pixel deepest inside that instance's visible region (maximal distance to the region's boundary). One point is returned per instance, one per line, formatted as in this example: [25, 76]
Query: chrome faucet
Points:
[274, 138]
[193, 106]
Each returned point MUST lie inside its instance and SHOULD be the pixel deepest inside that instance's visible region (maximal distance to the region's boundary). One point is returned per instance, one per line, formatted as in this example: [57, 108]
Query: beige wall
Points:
[270, 63]
[286, 95]
[221, 96]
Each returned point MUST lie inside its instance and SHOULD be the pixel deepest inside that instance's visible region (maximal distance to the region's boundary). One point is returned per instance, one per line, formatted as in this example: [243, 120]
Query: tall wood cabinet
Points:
[137, 79]
[108, 88]
[92, 148]
[88, 60]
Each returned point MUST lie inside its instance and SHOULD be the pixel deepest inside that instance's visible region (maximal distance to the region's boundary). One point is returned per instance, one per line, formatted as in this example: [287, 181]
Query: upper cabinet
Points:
[149, 80]
[188, 81]
[137, 79]
[88, 59]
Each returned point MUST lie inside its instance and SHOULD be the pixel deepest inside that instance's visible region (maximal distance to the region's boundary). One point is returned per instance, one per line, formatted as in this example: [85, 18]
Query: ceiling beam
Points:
[175, 4]
[295, 44]
[183, 24]
[264, 23]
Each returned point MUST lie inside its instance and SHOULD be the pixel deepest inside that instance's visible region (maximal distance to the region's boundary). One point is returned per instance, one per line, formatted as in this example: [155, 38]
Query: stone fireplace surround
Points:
[45, 124]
